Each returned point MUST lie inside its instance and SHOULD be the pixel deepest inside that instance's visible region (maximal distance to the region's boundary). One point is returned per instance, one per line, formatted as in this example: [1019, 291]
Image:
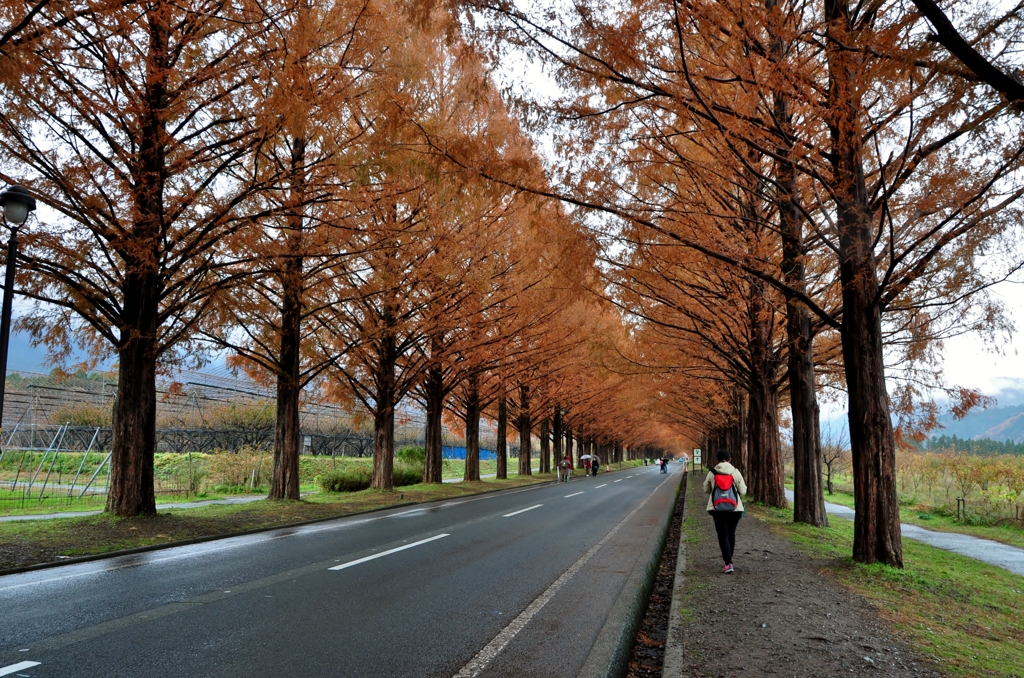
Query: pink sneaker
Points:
[728, 568]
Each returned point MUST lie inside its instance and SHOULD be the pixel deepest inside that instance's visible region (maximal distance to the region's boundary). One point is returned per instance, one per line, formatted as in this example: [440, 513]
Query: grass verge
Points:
[962, 613]
[24, 543]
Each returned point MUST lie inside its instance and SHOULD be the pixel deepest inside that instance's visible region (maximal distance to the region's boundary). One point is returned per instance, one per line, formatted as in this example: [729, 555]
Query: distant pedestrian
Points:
[595, 462]
[726, 486]
[663, 463]
[565, 469]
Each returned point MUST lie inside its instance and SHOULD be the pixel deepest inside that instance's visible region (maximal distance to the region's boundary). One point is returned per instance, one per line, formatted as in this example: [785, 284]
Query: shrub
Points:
[83, 414]
[355, 479]
[407, 475]
[351, 480]
[412, 456]
[184, 473]
[247, 467]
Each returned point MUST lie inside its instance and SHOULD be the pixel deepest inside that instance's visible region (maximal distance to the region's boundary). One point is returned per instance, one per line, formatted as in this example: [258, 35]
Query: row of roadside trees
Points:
[801, 194]
[260, 179]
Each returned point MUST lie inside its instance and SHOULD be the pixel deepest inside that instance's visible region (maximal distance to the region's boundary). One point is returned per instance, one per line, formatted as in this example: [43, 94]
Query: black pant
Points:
[725, 526]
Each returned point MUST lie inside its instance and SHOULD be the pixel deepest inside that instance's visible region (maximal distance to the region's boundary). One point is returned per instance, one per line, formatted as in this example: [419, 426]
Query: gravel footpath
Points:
[777, 615]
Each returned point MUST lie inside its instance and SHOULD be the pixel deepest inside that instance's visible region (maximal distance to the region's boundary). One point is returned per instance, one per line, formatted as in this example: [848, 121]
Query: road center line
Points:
[572, 495]
[619, 480]
[7, 670]
[516, 513]
[600, 486]
[388, 552]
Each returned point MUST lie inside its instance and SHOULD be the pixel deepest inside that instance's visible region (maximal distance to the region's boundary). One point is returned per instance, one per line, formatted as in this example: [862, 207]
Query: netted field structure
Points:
[210, 411]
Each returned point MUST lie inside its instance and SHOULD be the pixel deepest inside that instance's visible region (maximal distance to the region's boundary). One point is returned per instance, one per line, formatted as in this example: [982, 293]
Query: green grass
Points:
[963, 613]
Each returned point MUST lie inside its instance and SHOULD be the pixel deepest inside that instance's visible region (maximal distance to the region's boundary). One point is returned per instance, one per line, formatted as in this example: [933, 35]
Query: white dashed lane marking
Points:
[516, 513]
[386, 553]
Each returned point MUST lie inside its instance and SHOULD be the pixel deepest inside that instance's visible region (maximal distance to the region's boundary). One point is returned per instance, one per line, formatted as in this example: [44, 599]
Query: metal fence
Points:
[85, 438]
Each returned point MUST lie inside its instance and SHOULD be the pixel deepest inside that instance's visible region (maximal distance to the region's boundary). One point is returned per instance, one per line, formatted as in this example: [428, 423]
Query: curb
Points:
[609, 657]
[226, 535]
[673, 662]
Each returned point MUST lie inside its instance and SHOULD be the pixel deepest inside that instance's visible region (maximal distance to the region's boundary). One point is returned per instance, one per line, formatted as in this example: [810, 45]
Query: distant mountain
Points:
[1001, 423]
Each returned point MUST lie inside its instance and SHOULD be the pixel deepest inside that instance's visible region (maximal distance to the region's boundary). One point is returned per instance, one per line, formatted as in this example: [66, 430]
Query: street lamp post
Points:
[16, 202]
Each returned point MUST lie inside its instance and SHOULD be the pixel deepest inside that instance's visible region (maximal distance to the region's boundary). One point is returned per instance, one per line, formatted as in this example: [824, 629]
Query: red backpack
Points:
[723, 495]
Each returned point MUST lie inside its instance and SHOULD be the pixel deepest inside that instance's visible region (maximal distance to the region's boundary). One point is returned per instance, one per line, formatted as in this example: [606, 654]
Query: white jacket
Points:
[737, 481]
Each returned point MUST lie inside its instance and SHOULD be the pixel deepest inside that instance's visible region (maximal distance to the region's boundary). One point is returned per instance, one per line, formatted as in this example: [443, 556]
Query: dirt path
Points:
[777, 615]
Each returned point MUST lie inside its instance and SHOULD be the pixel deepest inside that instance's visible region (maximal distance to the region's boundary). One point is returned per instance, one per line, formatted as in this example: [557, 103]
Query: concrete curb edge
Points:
[609, 658]
[672, 664]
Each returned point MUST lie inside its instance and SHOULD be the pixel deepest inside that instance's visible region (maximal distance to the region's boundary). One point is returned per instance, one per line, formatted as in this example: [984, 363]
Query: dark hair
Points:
[723, 455]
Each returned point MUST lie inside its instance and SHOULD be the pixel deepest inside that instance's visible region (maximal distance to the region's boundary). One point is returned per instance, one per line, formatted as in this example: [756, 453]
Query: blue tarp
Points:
[460, 453]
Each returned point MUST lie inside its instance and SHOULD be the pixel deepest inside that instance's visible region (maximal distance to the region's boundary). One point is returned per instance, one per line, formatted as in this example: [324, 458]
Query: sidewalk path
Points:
[987, 551]
[778, 615]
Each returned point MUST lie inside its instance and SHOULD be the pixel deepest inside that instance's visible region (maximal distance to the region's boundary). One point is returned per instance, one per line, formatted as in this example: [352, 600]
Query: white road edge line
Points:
[7, 670]
[572, 495]
[516, 513]
[388, 552]
[600, 486]
[485, 656]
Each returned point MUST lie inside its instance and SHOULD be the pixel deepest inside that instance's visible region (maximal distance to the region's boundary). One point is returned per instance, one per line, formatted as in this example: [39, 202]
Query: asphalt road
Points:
[508, 584]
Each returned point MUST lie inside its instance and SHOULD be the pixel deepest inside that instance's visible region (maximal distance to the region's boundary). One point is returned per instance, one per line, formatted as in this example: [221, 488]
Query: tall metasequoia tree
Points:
[377, 336]
[143, 109]
[318, 69]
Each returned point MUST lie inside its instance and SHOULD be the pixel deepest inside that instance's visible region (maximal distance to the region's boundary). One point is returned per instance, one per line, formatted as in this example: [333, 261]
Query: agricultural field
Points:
[929, 483]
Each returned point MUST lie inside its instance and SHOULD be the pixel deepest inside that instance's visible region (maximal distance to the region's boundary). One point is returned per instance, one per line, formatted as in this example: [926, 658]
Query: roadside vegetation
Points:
[962, 613]
[929, 482]
[190, 477]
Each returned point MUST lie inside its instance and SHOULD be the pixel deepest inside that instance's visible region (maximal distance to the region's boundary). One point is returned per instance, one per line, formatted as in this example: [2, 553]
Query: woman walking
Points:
[725, 484]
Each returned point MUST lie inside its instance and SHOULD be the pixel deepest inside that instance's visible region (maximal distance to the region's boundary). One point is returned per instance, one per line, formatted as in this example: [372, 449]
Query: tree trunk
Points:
[384, 415]
[545, 445]
[557, 433]
[501, 453]
[434, 396]
[134, 423]
[525, 426]
[134, 417]
[877, 536]
[808, 498]
[765, 462]
[284, 481]
[737, 434]
[472, 420]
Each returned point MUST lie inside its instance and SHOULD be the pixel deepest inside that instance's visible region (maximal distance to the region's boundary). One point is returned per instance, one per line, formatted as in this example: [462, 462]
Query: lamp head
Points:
[17, 202]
